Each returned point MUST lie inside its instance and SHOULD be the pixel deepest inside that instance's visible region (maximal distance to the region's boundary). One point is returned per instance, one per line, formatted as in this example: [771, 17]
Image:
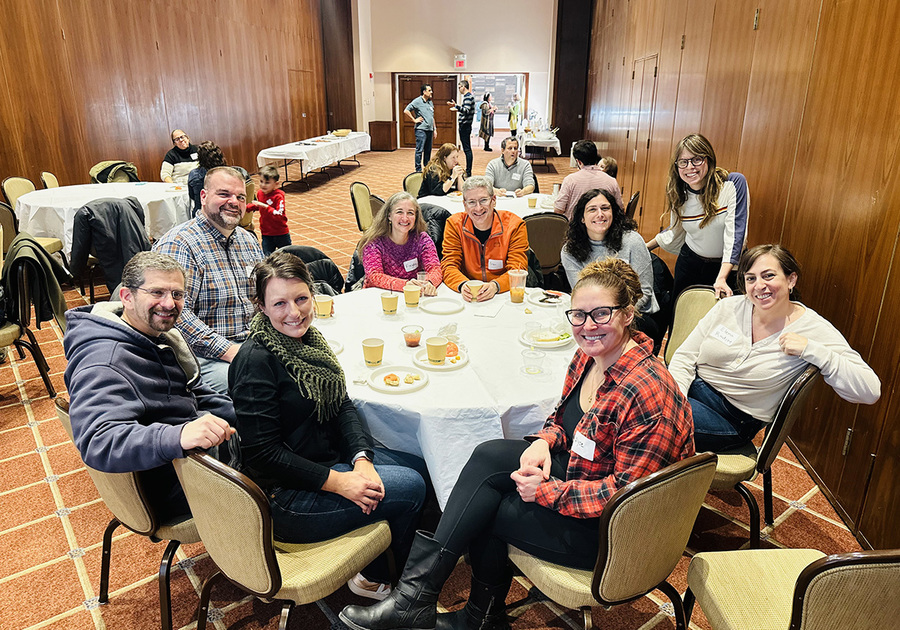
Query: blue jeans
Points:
[271, 243]
[424, 138]
[305, 516]
[215, 374]
[718, 425]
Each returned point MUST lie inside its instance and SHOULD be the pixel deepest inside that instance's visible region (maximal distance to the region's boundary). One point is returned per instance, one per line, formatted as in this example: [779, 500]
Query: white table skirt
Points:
[486, 399]
[516, 205]
[313, 155]
[528, 140]
[51, 212]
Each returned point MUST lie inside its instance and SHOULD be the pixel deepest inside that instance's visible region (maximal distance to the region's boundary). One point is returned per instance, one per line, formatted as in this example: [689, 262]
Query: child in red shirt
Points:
[272, 217]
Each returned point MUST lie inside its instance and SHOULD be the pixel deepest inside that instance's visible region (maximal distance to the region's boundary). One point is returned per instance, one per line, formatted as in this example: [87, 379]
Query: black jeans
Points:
[691, 269]
[485, 512]
[465, 139]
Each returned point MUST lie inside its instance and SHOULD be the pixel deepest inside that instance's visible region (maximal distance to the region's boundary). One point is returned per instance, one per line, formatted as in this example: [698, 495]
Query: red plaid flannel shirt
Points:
[640, 423]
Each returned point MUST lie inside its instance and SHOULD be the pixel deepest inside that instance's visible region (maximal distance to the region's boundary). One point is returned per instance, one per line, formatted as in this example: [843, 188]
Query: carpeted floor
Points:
[52, 520]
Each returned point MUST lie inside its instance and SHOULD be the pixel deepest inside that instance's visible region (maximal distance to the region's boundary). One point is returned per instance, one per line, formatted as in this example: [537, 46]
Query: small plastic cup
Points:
[437, 350]
[411, 294]
[474, 288]
[517, 279]
[532, 202]
[533, 361]
[373, 351]
[324, 305]
[412, 334]
[389, 302]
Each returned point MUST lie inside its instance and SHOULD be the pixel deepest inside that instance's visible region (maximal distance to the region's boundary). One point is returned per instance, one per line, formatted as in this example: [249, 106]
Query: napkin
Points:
[487, 309]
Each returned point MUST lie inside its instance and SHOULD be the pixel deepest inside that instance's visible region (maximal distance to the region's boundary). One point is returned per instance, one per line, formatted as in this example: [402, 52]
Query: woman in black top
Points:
[443, 172]
[301, 438]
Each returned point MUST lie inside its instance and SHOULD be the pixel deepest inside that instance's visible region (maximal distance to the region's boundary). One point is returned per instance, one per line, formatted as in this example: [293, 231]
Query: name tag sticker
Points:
[194, 156]
[494, 264]
[411, 265]
[724, 335]
[249, 270]
[517, 176]
[582, 446]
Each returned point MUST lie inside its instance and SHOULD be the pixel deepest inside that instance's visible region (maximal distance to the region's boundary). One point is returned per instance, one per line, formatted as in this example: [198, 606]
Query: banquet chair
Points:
[778, 589]
[247, 220]
[10, 231]
[49, 180]
[360, 196]
[123, 495]
[632, 205]
[326, 274]
[412, 183]
[644, 529]
[745, 463]
[235, 525]
[15, 187]
[546, 235]
[690, 307]
[377, 204]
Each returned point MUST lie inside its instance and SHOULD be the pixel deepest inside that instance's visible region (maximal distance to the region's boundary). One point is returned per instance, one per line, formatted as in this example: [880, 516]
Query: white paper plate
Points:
[546, 204]
[528, 338]
[455, 196]
[336, 346]
[421, 359]
[376, 379]
[441, 305]
[534, 297]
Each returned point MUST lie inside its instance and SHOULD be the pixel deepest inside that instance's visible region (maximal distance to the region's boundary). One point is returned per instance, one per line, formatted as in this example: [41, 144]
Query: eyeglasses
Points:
[696, 161]
[179, 138]
[600, 315]
[474, 203]
[160, 294]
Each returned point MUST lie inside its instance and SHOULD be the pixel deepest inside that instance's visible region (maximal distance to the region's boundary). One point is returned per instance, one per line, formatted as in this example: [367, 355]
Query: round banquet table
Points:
[489, 397]
[516, 205]
[51, 211]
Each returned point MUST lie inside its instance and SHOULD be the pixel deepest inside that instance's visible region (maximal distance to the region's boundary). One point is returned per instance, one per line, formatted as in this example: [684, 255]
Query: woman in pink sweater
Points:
[396, 248]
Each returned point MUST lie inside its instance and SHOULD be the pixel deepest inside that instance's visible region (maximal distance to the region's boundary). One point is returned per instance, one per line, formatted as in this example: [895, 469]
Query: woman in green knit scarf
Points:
[301, 438]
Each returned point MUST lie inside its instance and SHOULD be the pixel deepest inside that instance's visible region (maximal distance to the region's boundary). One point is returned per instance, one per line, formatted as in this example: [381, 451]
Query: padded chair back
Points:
[49, 180]
[412, 183]
[233, 518]
[247, 221]
[15, 187]
[787, 414]
[377, 203]
[851, 591]
[359, 195]
[546, 235]
[8, 223]
[690, 307]
[121, 492]
[632, 205]
[321, 267]
[645, 527]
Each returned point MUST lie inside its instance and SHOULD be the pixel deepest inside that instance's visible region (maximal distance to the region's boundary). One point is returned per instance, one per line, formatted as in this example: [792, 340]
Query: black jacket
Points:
[45, 275]
[111, 229]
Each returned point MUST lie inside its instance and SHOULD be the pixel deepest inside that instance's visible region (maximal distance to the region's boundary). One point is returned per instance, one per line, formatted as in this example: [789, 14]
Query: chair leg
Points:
[285, 613]
[672, 594]
[689, 600]
[105, 560]
[586, 611]
[768, 509]
[203, 608]
[165, 594]
[39, 360]
[754, 514]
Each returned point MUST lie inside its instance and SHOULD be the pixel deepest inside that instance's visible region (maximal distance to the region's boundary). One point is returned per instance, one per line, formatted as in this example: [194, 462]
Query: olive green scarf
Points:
[310, 362]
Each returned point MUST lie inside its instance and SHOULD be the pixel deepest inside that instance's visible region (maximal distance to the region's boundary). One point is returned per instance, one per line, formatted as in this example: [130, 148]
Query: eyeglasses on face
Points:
[179, 138]
[696, 161]
[160, 294]
[600, 315]
[474, 203]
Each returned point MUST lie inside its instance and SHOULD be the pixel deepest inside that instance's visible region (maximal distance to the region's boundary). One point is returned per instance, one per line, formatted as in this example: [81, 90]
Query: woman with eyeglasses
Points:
[443, 173]
[621, 417]
[741, 358]
[708, 208]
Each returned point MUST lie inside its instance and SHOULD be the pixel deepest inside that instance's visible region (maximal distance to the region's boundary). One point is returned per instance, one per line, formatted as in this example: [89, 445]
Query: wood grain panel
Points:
[573, 43]
[337, 41]
[695, 62]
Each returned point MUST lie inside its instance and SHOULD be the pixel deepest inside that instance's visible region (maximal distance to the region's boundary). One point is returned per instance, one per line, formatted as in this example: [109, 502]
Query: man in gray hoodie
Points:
[137, 398]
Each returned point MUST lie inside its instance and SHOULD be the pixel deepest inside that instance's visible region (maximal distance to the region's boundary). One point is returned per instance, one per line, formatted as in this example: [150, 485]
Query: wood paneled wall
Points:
[86, 81]
[805, 104]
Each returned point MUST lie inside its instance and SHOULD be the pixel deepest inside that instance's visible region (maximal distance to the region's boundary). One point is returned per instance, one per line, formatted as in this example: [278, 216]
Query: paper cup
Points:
[324, 304]
[437, 350]
[389, 303]
[373, 351]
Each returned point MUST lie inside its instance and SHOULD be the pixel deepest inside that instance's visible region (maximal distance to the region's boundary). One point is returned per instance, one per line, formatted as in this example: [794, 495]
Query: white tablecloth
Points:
[516, 205]
[313, 155]
[51, 212]
[486, 399]
[528, 140]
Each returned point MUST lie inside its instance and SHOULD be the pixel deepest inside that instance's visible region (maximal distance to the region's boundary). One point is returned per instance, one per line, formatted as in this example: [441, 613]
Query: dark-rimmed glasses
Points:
[160, 294]
[601, 315]
[695, 161]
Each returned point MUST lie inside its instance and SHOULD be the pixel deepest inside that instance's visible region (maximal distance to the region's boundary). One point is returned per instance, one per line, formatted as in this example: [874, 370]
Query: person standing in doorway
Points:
[421, 112]
[466, 111]
[487, 120]
[515, 112]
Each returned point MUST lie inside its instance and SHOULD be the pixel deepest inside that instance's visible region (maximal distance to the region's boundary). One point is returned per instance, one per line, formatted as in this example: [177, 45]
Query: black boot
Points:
[413, 602]
[485, 610]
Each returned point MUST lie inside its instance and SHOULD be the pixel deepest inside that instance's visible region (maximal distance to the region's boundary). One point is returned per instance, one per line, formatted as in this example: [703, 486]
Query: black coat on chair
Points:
[328, 277]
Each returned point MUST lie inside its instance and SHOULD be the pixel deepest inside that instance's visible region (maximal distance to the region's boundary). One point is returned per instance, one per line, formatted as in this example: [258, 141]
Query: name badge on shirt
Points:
[194, 156]
[494, 264]
[411, 265]
[249, 270]
[517, 176]
[582, 446]
[724, 335]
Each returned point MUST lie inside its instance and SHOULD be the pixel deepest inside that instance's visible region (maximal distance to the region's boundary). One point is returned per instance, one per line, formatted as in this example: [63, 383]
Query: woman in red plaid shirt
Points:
[621, 417]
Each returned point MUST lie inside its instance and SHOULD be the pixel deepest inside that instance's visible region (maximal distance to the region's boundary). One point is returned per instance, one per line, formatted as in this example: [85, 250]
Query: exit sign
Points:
[459, 62]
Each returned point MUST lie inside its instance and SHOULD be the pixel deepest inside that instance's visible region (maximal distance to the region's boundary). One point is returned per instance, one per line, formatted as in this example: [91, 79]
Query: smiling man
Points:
[482, 243]
[137, 398]
[218, 259]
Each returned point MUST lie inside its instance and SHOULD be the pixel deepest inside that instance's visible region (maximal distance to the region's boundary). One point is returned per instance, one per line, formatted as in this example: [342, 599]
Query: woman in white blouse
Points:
[742, 357]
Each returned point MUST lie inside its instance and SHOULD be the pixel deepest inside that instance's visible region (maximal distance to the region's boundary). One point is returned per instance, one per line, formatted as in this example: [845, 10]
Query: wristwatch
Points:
[364, 454]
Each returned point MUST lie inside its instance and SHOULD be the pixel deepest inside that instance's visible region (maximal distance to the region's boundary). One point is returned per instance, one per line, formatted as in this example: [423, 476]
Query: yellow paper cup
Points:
[437, 350]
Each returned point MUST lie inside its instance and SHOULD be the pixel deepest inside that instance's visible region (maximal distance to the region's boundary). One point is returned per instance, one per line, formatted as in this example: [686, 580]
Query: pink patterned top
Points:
[389, 266]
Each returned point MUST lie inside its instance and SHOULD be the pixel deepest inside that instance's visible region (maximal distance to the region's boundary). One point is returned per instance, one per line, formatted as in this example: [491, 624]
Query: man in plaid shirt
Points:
[218, 259]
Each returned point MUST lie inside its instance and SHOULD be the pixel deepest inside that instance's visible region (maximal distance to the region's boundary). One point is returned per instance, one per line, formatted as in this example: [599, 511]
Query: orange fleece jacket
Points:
[465, 258]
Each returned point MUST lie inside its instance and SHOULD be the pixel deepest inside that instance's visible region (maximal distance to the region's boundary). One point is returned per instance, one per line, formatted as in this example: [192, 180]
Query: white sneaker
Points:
[364, 588]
